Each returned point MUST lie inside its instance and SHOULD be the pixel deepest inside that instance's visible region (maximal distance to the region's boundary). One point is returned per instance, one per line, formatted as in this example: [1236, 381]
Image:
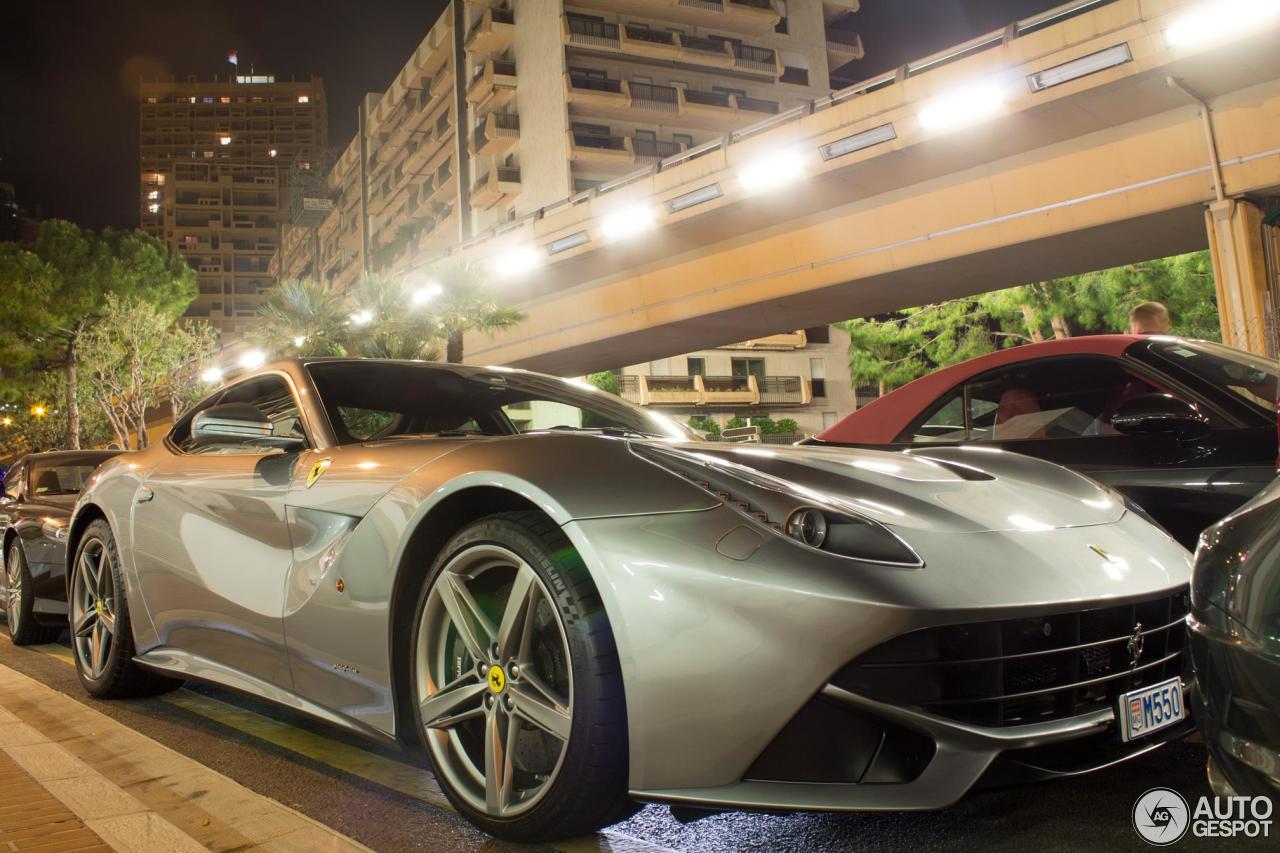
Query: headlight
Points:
[804, 516]
[55, 529]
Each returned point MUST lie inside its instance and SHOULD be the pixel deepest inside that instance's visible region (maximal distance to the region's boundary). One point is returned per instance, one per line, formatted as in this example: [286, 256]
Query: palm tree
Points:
[388, 320]
[461, 301]
[304, 318]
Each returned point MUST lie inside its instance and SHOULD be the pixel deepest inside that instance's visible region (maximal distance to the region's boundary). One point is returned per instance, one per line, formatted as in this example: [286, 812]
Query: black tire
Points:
[590, 790]
[24, 630]
[120, 678]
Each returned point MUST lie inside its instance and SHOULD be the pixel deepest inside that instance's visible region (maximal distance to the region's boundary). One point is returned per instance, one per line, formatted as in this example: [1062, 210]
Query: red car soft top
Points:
[882, 421]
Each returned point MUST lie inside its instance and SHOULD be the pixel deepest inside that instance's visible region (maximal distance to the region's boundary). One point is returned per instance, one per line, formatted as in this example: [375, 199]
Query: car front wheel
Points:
[101, 634]
[517, 686]
[20, 603]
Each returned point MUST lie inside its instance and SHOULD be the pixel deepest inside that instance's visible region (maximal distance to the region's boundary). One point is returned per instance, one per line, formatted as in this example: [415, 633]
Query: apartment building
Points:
[802, 375]
[507, 107]
[214, 164]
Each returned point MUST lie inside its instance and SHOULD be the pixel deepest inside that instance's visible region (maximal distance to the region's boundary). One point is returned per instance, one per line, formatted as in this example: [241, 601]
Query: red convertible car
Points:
[1184, 429]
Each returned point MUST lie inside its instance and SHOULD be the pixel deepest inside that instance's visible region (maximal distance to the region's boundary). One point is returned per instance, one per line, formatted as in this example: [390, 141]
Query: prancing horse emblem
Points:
[1135, 645]
[317, 470]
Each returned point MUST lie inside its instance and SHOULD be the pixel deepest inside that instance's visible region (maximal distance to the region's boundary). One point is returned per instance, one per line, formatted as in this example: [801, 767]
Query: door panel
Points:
[211, 549]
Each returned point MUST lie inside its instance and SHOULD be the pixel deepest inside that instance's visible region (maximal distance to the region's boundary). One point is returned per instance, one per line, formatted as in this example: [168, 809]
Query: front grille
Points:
[1027, 670]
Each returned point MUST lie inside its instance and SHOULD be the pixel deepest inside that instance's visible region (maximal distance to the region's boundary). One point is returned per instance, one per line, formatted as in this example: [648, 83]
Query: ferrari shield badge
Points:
[317, 470]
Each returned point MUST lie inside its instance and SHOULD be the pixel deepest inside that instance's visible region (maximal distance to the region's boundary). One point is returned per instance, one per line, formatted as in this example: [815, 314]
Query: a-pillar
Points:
[1240, 270]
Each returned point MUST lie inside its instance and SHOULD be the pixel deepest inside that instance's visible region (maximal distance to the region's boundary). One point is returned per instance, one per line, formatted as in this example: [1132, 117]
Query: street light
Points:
[773, 171]
[427, 292]
[39, 410]
[6, 421]
[516, 261]
[362, 318]
[211, 375]
[253, 358]
[962, 107]
[1222, 20]
[628, 222]
[299, 340]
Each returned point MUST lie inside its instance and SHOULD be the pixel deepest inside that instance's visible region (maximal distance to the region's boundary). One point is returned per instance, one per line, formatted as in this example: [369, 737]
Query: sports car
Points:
[1186, 429]
[39, 491]
[572, 607]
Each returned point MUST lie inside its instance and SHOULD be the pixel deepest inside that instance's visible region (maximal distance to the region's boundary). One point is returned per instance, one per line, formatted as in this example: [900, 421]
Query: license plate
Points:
[1151, 709]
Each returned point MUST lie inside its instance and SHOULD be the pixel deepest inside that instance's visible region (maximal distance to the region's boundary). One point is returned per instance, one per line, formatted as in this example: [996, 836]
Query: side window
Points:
[944, 422]
[1072, 397]
[270, 394]
[13, 480]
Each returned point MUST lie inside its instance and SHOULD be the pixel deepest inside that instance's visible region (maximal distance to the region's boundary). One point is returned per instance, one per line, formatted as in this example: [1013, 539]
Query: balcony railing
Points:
[603, 143]
[594, 84]
[651, 97]
[756, 58]
[727, 384]
[656, 148]
[757, 105]
[708, 99]
[766, 5]
[652, 36]
[707, 5]
[585, 31]
[699, 43]
[782, 391]
[629, 388]
[508, 174]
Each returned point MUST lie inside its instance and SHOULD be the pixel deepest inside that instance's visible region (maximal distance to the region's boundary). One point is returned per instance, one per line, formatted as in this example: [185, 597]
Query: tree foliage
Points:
[136, 359]
[890, 351]
[33, 417]
[54, 291]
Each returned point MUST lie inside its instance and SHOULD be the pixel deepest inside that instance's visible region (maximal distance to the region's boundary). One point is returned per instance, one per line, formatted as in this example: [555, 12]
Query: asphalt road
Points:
[389, 801]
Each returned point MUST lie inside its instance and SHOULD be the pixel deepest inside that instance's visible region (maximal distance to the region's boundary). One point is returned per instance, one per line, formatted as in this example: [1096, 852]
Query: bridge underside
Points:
[1110, 169]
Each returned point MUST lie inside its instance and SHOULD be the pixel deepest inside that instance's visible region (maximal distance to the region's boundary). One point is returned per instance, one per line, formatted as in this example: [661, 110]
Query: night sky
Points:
[68, 72]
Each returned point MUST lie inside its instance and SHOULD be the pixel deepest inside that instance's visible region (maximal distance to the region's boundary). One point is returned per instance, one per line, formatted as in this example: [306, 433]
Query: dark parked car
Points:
[39, 491]
[1184, 429]
[1235, 647]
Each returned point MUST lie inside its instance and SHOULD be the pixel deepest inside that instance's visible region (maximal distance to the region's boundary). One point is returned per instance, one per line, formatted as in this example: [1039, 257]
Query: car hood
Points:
[955, 489]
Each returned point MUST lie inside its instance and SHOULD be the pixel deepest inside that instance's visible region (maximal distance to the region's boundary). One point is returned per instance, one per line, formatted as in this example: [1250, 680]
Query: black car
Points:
[1235, 647]
[1185, 429]
[39, 492]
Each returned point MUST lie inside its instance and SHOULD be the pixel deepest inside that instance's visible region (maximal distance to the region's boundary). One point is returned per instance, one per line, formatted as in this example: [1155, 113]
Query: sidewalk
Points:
[72, 778]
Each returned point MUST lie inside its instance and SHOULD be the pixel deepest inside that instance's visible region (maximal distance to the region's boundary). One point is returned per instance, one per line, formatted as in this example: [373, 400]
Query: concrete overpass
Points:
[1038, 179]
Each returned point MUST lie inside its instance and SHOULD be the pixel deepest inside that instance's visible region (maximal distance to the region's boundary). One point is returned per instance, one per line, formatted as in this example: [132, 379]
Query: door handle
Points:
[144, 494]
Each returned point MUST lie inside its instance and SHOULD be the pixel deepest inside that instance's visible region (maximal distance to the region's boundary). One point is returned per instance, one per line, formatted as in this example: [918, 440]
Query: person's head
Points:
[1149, 318]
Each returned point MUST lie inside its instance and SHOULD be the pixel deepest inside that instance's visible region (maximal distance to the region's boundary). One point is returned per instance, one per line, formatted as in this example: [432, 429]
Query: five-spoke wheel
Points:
[19, 601]
[516, 684]
[93, 607]
[494, 681]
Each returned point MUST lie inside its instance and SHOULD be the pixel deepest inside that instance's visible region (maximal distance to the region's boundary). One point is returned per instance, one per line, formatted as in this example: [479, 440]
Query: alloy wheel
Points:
[13, 590]
[93, 608]
[494, 681]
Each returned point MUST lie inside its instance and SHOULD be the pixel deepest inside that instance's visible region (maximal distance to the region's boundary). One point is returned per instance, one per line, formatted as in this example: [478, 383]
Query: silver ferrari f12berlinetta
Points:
[574, 605]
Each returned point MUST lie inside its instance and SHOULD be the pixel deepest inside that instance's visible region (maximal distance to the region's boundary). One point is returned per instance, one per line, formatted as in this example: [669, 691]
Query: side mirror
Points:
[238, 423]
[1160, 414]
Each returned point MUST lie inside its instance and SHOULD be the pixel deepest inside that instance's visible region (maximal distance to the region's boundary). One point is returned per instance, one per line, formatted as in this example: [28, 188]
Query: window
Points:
[270, 394]
[818, 376]
[749, 367]
[697, 366]
[742, 93]
[684, 139]
[1252, 378]
[365, 424]
[818, 335]
[647, 135]
[944, 423]
[782, 26]
[13, 481]
[795, 76]
[63, 477]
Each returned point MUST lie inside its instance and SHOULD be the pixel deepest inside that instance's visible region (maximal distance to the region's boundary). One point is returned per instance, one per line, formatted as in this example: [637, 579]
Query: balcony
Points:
[494, 83]
[730, 390]
[785, 391]
[671, 391]
[784, 341]
[493, 33]
[496, 135]
[715, 110]
[656, 44]
[757, 105]
[648, 150]
[717, 390]
[706, 51]
[442, 82]
[753, 19]
[647, 96]
[585, 32]
[843, 46]
[494, 187]
[602, 97]
[757, 60]
[601, 152]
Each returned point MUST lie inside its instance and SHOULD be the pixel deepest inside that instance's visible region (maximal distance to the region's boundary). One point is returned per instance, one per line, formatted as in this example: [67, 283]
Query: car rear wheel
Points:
[20, 602]
[101, 635]
[517, 686]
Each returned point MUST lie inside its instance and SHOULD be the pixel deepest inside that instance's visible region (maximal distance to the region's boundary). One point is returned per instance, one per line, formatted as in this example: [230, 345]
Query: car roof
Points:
[56, 455]
[882, 421]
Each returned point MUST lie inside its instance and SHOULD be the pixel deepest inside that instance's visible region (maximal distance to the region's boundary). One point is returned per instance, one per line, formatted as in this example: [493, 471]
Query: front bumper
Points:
[725, 633]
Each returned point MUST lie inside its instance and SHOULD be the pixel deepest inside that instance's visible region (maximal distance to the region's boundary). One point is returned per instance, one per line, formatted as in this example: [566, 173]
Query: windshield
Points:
[65, 476]
[375, 400]
[1248, 376]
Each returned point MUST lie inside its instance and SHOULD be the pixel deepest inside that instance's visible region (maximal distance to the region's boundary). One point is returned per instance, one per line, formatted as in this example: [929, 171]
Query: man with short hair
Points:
[1149, 318]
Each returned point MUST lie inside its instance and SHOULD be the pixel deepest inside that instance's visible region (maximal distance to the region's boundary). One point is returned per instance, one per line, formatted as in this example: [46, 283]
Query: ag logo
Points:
[317, 470]
[1161, 816]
